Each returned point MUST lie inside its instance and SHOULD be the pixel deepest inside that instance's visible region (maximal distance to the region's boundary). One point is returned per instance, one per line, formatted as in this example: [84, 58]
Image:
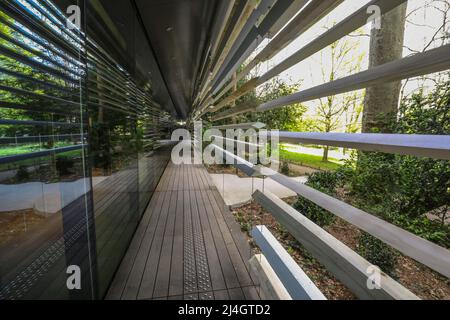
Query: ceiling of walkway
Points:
[162, 42]
[178, 31]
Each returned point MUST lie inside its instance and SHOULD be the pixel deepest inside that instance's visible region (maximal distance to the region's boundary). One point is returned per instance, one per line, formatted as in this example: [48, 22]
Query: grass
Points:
[25, 148]
[309, 160]
[37, 160]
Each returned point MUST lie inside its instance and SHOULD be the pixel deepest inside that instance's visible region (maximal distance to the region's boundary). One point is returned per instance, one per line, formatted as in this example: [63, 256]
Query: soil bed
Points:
[419, 279]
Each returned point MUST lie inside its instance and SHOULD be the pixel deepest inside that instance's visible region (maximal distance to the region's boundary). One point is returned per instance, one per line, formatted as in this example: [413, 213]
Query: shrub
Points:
[313, 212]
[22, 173]
[324, 181]
[64, 165]
[403, 189]
[284, 168]
[378, 253]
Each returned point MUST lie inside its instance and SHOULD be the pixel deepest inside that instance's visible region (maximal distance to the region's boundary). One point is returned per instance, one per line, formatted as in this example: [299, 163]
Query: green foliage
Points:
[284, 168]
[289, 118]
[378, 253]
[313, 212]
[243, 222]
[22, 174]
[324, 181]
[64, 165]
[309, 160]
[404, 184]
[13, 150]
[422, 226]
[402, 189]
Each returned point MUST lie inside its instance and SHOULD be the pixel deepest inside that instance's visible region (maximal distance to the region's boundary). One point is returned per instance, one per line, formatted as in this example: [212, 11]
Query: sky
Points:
[422, 24]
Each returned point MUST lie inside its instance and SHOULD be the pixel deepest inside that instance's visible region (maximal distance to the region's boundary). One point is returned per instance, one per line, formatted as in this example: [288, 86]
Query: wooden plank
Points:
[221, 295]
[238, 263]
[238, 236]
[189, 268]
[151, 266]
[178, 184]
[185, 179]
[176, 269]
[350, 268]
[176, 170]
[156, 264]
[217, 279]
[201, 263]
[236, 294]
[161, 287]
[251, 293]
[229, 274]
[162, 180]
[134, 280]
[119, 281]
[248, 106]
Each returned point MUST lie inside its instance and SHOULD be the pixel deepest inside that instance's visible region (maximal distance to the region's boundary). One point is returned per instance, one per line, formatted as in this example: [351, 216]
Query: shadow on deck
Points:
[187, 246]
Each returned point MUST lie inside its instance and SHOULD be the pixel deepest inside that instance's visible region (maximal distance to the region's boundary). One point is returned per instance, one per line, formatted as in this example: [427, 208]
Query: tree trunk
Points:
[386, 44]
[325, 154]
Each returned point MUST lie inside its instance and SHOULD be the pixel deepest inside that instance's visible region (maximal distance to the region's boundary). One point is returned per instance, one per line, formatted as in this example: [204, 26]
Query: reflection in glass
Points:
[79, 154]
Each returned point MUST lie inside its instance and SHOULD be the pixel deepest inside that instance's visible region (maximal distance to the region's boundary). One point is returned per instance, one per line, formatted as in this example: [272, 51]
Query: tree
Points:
[288, 118]
[386, 45]
[342, 60]
[353, 113]
[440, 37]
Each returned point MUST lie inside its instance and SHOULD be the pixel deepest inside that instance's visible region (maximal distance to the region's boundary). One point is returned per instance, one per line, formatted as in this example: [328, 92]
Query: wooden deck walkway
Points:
[187, 246]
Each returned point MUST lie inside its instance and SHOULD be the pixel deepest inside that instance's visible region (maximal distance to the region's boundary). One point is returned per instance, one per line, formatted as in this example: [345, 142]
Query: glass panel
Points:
[80, 151]
[44, 186]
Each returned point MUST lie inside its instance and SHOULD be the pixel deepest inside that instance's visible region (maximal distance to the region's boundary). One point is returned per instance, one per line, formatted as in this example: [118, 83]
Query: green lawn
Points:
[38, 160]
[309, 160]
[25, 148]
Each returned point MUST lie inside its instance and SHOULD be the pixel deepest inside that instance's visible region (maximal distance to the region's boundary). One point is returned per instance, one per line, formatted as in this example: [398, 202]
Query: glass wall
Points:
[79, 145]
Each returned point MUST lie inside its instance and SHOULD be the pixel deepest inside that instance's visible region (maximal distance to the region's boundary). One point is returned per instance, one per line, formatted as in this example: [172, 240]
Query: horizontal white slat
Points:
[424, 251]
[296, 282]
[431, 61]
[433, 146]
[345, 264]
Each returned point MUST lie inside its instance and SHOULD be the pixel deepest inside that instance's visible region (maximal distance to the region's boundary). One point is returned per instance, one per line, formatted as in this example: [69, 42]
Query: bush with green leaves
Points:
[378, 253]
[64, 165]
[284, 168]
[22, 173]
[313, 212]
[324, 181]
[403, 189]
